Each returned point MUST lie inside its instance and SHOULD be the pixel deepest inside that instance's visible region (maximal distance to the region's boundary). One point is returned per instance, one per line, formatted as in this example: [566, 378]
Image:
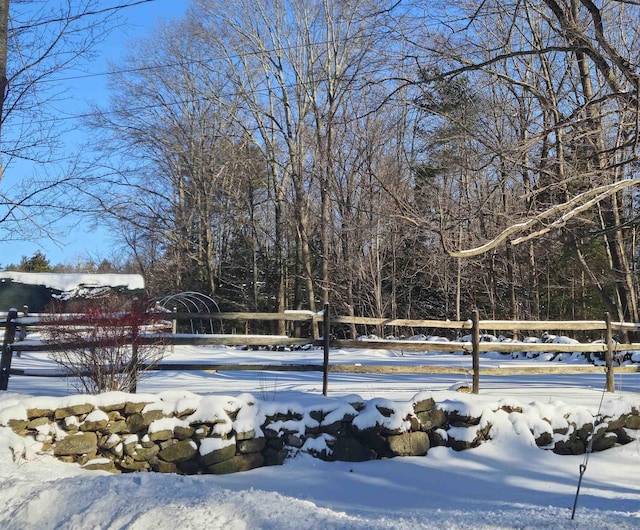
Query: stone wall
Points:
[217, 435]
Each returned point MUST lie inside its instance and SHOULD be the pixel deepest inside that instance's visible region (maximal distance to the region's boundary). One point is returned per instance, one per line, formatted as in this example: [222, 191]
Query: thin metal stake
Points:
[583, 468]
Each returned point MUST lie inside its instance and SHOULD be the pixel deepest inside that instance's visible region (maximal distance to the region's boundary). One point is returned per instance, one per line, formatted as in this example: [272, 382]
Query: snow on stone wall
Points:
[190, 434]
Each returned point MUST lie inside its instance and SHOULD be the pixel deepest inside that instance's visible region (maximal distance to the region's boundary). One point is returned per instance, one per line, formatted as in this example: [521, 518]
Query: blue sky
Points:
[78, 243]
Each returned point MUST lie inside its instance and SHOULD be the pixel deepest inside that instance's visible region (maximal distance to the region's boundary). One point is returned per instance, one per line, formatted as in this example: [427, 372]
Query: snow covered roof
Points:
[37, 289]
[71, 282]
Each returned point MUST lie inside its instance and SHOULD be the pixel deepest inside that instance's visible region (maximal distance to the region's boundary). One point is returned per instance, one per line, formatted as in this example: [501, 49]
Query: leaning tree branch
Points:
[576, 205]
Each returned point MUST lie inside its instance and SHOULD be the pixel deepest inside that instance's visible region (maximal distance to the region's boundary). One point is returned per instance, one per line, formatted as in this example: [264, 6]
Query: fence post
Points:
[475, 352]
[608, 356]
[315, 334]
[23, 329]
[174, 329]
[7, 352]
[136, 311]
[326, 332]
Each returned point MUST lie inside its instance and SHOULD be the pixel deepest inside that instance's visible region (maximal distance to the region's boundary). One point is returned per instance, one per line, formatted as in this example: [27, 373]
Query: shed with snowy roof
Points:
[39, 289]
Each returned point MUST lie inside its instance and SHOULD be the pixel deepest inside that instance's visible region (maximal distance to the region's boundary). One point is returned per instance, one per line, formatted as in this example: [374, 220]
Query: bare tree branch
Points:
[575, 206]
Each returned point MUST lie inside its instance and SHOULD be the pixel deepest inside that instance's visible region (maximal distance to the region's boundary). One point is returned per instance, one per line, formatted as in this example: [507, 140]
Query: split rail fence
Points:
[16, 326]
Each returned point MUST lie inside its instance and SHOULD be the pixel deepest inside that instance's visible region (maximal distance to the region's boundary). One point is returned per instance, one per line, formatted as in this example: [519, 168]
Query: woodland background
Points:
[279, 154]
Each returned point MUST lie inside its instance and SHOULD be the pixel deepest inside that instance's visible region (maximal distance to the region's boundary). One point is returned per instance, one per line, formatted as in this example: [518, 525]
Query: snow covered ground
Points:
[504, 483]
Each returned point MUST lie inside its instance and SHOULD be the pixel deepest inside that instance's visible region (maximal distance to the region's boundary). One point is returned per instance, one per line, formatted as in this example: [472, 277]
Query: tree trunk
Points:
[4, 27]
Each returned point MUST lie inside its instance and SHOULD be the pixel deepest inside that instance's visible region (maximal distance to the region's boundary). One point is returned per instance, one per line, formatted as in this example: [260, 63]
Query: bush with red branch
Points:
[104, 344]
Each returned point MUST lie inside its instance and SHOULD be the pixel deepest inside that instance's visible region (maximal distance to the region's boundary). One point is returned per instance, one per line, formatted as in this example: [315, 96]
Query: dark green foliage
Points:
[36, 263]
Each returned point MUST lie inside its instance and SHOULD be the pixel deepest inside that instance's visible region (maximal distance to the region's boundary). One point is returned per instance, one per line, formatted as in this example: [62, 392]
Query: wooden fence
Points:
[475, 346]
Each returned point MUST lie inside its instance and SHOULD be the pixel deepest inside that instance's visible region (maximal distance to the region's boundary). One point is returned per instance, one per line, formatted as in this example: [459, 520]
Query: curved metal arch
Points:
[192, 302]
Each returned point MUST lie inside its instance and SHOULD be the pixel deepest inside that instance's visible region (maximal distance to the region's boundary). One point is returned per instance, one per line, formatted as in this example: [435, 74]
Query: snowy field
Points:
[505, 483]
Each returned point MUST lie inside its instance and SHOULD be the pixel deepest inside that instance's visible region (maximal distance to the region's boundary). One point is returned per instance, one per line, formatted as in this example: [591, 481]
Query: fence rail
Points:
[474, 346]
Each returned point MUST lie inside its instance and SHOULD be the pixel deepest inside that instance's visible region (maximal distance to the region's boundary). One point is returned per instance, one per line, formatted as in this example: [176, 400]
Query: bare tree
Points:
[564, 166]
[40, 42]
[305, 71]
[321, 148]
[183, 182]
[303, 86]
[4, 39]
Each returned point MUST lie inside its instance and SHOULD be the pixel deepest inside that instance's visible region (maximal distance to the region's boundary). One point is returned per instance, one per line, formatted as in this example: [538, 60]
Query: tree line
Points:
[38, 262]
[415, 159]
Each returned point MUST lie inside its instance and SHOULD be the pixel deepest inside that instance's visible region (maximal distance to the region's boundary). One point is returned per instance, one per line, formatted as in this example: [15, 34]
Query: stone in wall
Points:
[251, 445]
[77, 444]
[348, 449]
[632, 422]
[409, 444]
[237, 463]
[431, 419]
[464, 438]
[217, 452]
[73, 410]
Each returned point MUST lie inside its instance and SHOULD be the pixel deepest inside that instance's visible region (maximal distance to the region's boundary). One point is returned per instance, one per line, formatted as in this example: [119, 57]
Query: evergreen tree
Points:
[36, 263]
